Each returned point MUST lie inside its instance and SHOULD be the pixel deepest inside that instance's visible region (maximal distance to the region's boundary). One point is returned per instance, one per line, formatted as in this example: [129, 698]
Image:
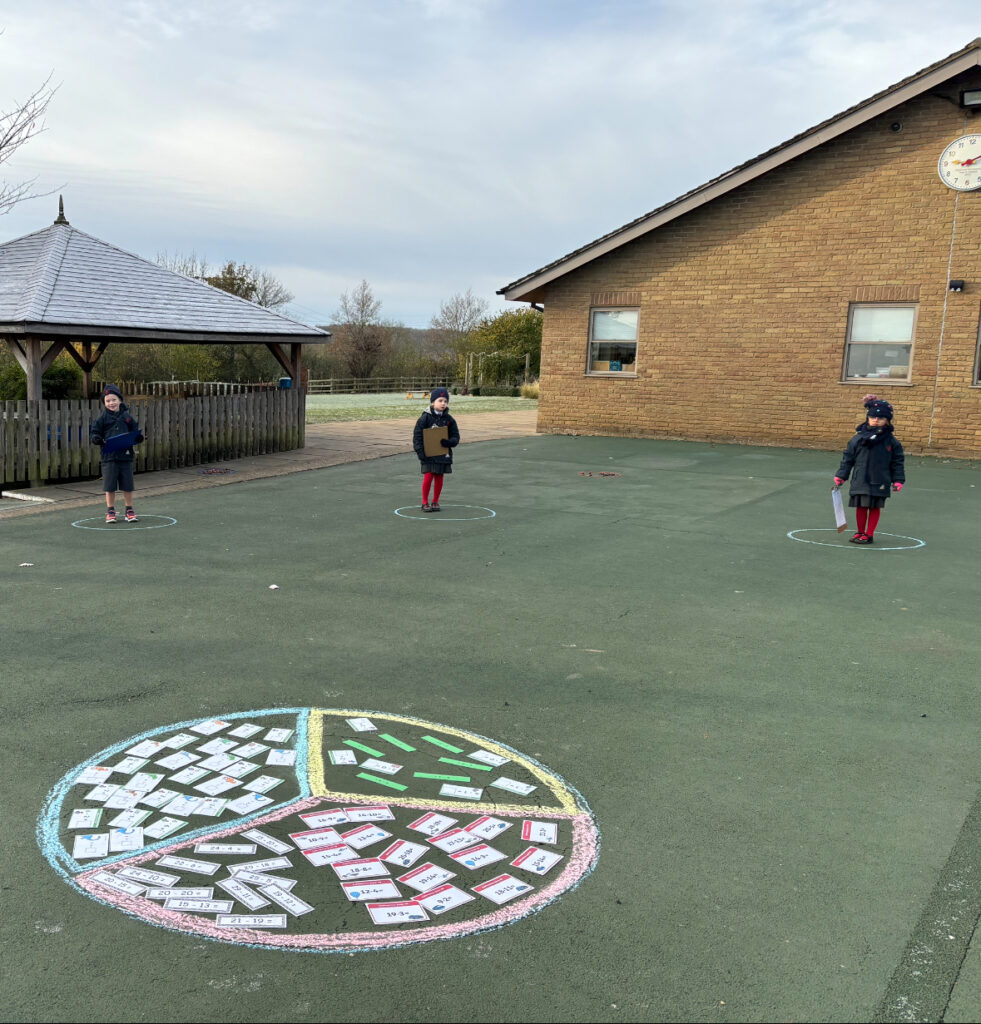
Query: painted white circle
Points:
[916, 542]
[121, 525]
[414, 512]
[318, 830]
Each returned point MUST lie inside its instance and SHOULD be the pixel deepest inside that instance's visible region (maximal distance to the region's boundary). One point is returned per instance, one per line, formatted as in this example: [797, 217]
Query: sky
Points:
[425, 146]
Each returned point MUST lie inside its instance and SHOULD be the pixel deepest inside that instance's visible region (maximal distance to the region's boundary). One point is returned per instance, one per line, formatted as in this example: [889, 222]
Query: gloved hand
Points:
[445, 442]
[452, 442]
[97, 440]
[897, 486]
[838, 481]
[139, 437]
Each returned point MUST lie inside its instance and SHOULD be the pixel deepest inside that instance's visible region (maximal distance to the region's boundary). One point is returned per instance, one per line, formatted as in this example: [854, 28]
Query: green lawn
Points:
[335, 408]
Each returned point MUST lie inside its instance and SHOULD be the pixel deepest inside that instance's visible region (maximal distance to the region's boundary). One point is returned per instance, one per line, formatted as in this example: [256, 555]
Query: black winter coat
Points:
[111, 424]
[877, 458]
[440, 463]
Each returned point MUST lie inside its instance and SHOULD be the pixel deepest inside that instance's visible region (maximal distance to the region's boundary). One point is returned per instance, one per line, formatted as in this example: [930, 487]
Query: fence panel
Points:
[48, 441]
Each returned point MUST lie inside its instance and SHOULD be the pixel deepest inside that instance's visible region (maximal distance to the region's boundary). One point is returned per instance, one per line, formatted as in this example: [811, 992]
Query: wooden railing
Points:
[48, 441]
[186, 388]
[375, 385]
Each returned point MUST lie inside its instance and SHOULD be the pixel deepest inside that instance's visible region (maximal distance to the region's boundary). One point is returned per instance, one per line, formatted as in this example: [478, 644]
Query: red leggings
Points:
[434, 480]
[867, 519]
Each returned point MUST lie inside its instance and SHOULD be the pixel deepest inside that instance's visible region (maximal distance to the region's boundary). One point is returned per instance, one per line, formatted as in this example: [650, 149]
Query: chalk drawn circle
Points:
[415, 862]
[917, 543]
[414, 512]
[121, 525]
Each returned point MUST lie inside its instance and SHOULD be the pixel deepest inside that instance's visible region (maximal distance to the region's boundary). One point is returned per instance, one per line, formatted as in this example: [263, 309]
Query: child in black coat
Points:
[876, 456]
[435, 467]
[115, 431]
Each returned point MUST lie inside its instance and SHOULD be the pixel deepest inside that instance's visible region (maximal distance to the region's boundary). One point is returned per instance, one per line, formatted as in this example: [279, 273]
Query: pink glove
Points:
[897, 487]
[838, 481]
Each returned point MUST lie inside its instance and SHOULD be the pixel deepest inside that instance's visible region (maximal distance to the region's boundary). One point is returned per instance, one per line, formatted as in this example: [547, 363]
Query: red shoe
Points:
[111, 516]
[131, 516]
[434, 507]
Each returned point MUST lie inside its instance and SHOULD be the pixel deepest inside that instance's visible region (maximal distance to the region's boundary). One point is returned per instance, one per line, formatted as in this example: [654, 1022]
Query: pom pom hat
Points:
[876, 406]
[111, 389]
[439, 393]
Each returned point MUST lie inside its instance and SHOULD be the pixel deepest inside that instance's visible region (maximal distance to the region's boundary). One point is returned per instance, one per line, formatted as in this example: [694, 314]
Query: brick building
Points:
[761, 306]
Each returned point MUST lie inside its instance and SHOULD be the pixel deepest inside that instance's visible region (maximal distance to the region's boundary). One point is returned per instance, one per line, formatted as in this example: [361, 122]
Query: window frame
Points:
[590, 342]
[976, 381]
[852, 307]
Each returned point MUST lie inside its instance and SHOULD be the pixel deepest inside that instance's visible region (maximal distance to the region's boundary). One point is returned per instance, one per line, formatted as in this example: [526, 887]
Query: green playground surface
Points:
[778, 737]
[378, 406]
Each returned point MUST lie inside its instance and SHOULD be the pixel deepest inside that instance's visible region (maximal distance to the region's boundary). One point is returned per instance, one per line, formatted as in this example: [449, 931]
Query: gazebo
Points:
[60, 286]
[62, 290]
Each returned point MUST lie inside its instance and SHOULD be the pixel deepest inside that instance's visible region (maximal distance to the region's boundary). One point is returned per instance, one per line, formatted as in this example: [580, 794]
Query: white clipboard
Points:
[839, 507]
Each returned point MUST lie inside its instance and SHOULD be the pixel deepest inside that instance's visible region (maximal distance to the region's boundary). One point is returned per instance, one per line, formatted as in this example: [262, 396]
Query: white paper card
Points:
[130, 764]
[365, 835]
[188, 775]
[249, 749]
[385, 767]
[251, 920]
[330, 854]
[183, 804]
[163, 827]
[443, 898]
[262, 866]
[278, 735]
[433, 824]
[503, 888]
[180, 740]
[361, 724]
[158, 797]
[145, 781]
[86, 817]
[478, 856]
[269, 842]
[245, 731]
[217, 784]
[513, 786]
[460, 792]
[488, 758]
[487, 827]
[293, 904]
[281, 757]
[217, 762]
[249, 803]
[145, 749]
[215, 747]
[179, 760]
[455, 839]
[148, 877]
[210, 727]
[396, 913]
[367, 868]
[376, 812]
[211, 807]
[111, 881]
[92, 845]
[318, 819]
[199, 867]
[170, 892]
[231, 849]
[200, 906]
[403, 853]
[315, 838]
[426, 877]
[246, 896]
[540, 831]
[262, 784]
[342, 757]
[358, 892]
[94, 776]
[130, 818]
[101, 792]
[537, 861]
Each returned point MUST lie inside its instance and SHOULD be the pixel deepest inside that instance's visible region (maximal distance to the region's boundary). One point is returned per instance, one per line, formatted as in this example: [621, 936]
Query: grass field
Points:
[777, 735]
[335, 408]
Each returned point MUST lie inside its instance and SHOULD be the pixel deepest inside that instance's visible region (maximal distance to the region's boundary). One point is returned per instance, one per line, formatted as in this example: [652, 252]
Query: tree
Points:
[361, 339]
[503, 341]
[18, 126]
[456, 320]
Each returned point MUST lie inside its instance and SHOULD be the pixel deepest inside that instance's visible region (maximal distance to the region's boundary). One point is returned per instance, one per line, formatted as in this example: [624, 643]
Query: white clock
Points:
[959, 166]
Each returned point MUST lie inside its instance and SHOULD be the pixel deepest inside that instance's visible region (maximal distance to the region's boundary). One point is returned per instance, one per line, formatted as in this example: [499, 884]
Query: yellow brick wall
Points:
[744, 302]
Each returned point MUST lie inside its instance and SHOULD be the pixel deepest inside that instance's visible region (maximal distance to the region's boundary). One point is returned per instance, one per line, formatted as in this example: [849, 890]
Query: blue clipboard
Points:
[119, 441]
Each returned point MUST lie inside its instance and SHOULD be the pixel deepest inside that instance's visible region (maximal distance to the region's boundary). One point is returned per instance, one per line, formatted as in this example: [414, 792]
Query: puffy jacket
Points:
[111, 424]
[434, 419]
[876, 456]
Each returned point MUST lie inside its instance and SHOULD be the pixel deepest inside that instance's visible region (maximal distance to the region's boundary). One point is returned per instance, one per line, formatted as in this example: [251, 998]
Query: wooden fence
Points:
[48, 441]
[375, 385]
[186, 388]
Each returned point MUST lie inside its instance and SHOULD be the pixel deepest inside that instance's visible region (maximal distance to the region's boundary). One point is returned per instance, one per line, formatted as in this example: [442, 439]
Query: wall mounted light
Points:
[971, 99]
[956, 286]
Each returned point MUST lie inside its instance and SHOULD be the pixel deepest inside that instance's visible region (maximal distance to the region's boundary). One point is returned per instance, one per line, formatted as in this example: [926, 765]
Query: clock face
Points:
[960, 164]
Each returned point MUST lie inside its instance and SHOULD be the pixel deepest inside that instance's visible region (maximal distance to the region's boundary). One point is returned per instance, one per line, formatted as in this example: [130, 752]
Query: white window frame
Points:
[591, 362]
[977, 359]
[886, 378]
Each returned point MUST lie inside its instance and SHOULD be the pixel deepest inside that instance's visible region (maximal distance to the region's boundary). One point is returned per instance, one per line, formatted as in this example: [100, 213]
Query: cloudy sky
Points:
[426, 146]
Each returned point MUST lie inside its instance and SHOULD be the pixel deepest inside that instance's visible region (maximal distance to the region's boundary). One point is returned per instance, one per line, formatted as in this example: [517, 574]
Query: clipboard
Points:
[431, 438]
[839, 507]
[120, 441]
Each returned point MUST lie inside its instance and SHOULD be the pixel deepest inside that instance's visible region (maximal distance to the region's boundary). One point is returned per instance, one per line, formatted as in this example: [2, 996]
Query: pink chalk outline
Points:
[585, 840]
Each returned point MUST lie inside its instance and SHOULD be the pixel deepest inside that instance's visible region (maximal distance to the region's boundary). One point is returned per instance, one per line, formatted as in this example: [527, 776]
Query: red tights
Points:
[867, 519]
[435, 480]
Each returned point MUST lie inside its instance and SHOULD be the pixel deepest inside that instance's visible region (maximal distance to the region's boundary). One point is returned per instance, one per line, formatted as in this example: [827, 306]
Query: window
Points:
[613, 341]
[880, 342]
[977, 358]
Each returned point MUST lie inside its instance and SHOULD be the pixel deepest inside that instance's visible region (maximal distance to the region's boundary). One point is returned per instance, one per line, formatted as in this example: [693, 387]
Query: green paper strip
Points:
[381, 782]
[442, 778]
[367, 750]
[467, 764]
[399, 743]
[445, 746]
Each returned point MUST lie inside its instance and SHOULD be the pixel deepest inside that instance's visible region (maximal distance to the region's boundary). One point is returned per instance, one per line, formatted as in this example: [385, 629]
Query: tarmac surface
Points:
[776, 731]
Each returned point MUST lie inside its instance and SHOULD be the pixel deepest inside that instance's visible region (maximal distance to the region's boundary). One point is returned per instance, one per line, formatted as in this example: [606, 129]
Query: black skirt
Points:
[866, 501]
[436, 468]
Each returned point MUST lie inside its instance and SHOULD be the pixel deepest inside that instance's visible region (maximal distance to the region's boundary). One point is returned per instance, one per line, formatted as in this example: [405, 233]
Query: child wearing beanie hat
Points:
[434, 467]
[874, 459]
[115, 431]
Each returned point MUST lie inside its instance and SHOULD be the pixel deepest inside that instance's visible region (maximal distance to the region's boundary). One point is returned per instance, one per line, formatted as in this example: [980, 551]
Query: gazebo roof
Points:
[62, 282]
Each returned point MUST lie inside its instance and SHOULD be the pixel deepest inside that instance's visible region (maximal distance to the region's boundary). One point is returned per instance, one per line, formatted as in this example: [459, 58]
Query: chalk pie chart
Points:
[318, 830]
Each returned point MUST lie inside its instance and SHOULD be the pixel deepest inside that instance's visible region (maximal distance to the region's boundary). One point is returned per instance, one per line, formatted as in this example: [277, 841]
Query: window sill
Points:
[610, 373]
[878, 381]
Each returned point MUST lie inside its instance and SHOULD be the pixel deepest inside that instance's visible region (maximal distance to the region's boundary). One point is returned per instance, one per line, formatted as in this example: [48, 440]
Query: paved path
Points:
[327, 444]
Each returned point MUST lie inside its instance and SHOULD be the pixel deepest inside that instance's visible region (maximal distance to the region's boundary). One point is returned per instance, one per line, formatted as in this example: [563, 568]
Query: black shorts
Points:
[117, 476]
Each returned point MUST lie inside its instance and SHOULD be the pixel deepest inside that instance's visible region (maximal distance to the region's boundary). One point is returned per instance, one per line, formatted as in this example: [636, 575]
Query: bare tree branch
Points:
[18, 126]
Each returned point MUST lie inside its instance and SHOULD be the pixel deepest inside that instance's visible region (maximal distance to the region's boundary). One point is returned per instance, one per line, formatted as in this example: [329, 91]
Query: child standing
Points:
[116, 432]
[434, 467]
[877, 458]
